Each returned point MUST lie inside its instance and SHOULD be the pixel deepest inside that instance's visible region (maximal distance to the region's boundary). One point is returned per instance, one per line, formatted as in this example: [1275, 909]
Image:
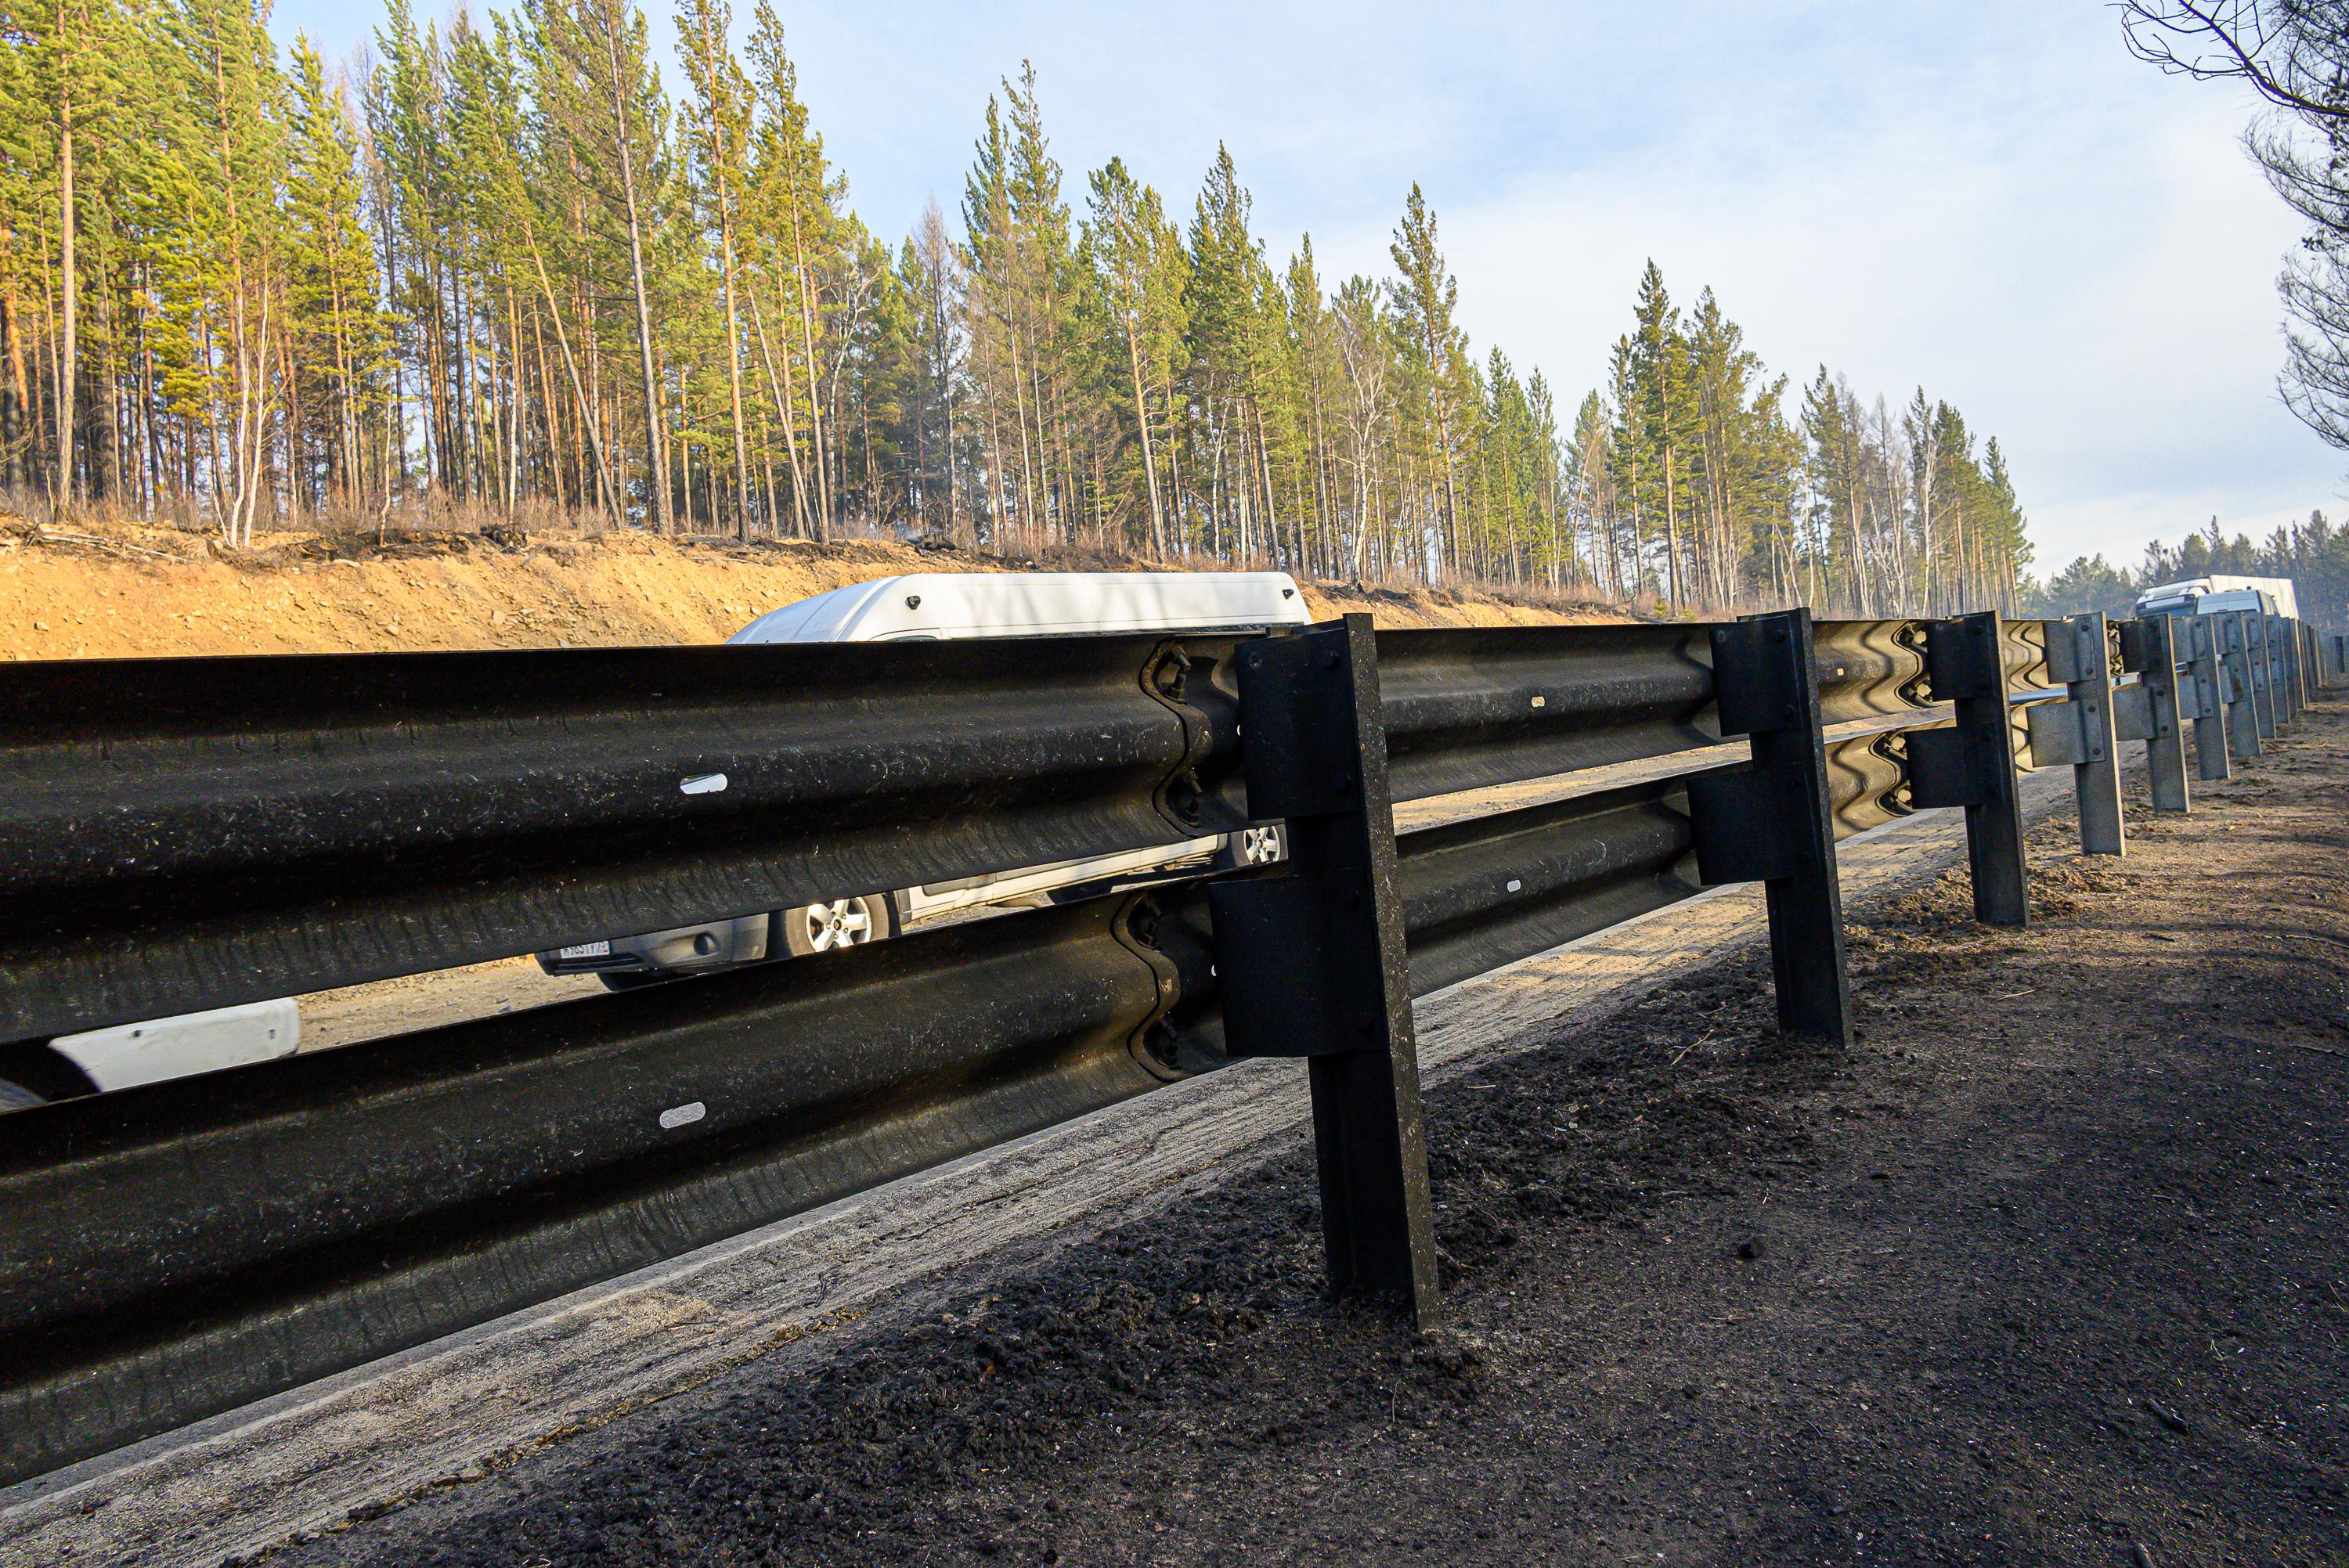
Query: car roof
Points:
[946, 605]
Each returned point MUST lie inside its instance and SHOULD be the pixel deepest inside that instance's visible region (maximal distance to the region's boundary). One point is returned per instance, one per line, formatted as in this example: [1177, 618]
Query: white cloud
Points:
[2094, 287]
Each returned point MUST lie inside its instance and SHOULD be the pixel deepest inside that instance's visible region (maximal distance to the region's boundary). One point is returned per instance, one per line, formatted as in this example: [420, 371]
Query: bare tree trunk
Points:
[1149, 459]
[781, 387]
[734, 370]
[15, 400]
[807, 337]
[1026, 474]
[63, 487]
[1671, 526]
[655, 452]
[547, 408]
[710, 49]
[579, 393]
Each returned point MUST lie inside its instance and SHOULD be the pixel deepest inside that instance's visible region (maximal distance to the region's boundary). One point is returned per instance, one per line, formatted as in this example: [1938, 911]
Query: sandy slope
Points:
[148, 591]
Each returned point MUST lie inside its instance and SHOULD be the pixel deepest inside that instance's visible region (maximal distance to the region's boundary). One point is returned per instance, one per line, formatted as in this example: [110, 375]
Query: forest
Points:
[558, 263]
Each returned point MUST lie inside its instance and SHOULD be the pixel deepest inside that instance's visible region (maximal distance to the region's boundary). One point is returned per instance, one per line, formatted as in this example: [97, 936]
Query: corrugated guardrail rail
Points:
[187, 833]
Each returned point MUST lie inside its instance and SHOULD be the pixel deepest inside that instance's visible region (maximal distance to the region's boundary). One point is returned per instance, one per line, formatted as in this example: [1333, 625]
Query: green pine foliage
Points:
[500, 261]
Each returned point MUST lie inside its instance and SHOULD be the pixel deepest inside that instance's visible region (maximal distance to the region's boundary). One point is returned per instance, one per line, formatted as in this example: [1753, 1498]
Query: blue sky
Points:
[1992, 201]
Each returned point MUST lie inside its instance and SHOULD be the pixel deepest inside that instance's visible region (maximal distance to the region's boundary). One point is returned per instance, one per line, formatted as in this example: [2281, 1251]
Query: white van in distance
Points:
[935, 605]
[2216, 595]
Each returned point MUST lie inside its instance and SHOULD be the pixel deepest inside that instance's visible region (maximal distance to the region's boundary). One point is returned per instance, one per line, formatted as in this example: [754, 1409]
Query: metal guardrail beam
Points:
[1466, 709]
[254, 827]
[1866, 668]
[2240, 675]
[302, 1216]
[170, 1251]
[166, 1253]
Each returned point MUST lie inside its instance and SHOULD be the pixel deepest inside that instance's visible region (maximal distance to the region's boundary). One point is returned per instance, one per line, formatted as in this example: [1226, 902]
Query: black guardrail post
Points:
[1971, 764]
[2080, 730]
[2243, 691]
[1769, 821]
[1311, 961]
[2294, 670]
[2263, 688]
[2288, 643]
[2148, 711]
[2279, 657]
[2208, 685]
[2278, 672]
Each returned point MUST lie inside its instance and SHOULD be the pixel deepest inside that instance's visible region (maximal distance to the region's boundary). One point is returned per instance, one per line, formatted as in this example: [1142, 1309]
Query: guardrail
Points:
[2238, 677]
[181, 834]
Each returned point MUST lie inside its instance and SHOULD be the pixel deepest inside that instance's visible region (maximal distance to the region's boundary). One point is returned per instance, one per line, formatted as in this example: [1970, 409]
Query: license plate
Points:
[585, 950]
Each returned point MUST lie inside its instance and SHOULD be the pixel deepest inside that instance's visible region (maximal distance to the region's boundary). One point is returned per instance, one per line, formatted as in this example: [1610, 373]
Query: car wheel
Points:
[633, 979]
[842, 923]
[1259, 846]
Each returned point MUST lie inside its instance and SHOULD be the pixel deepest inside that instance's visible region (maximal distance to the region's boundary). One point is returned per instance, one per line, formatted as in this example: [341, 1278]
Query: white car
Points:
[2218, 595]
[127, 1055]
[931, 605]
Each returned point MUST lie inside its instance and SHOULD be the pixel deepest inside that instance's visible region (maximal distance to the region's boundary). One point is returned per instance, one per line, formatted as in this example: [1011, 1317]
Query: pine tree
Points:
[1138, 255]
[69, 62]
[1038, 261]
[1426, 297]
[600, 96]
[932, 275]
[1314, 375]
[795, 209]
[717, 135]
[1220, 303]
[339, 331]
[1662, 418]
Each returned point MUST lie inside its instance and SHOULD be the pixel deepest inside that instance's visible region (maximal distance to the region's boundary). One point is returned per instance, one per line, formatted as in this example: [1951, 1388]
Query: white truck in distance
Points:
[2216, 595]
[932, 605]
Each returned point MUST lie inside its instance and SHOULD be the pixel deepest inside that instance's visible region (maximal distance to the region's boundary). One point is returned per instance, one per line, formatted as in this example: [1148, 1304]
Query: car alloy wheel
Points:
[843, 922]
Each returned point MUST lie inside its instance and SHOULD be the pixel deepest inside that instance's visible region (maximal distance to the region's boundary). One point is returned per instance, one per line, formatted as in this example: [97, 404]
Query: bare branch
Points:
[2276, 46]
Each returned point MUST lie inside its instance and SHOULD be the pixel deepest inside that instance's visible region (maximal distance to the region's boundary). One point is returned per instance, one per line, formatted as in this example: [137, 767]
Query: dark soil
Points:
[2048, 1267]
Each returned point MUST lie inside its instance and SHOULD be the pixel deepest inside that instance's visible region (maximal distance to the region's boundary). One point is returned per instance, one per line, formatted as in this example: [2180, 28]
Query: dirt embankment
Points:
[115, 591]
[2046, 1267]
